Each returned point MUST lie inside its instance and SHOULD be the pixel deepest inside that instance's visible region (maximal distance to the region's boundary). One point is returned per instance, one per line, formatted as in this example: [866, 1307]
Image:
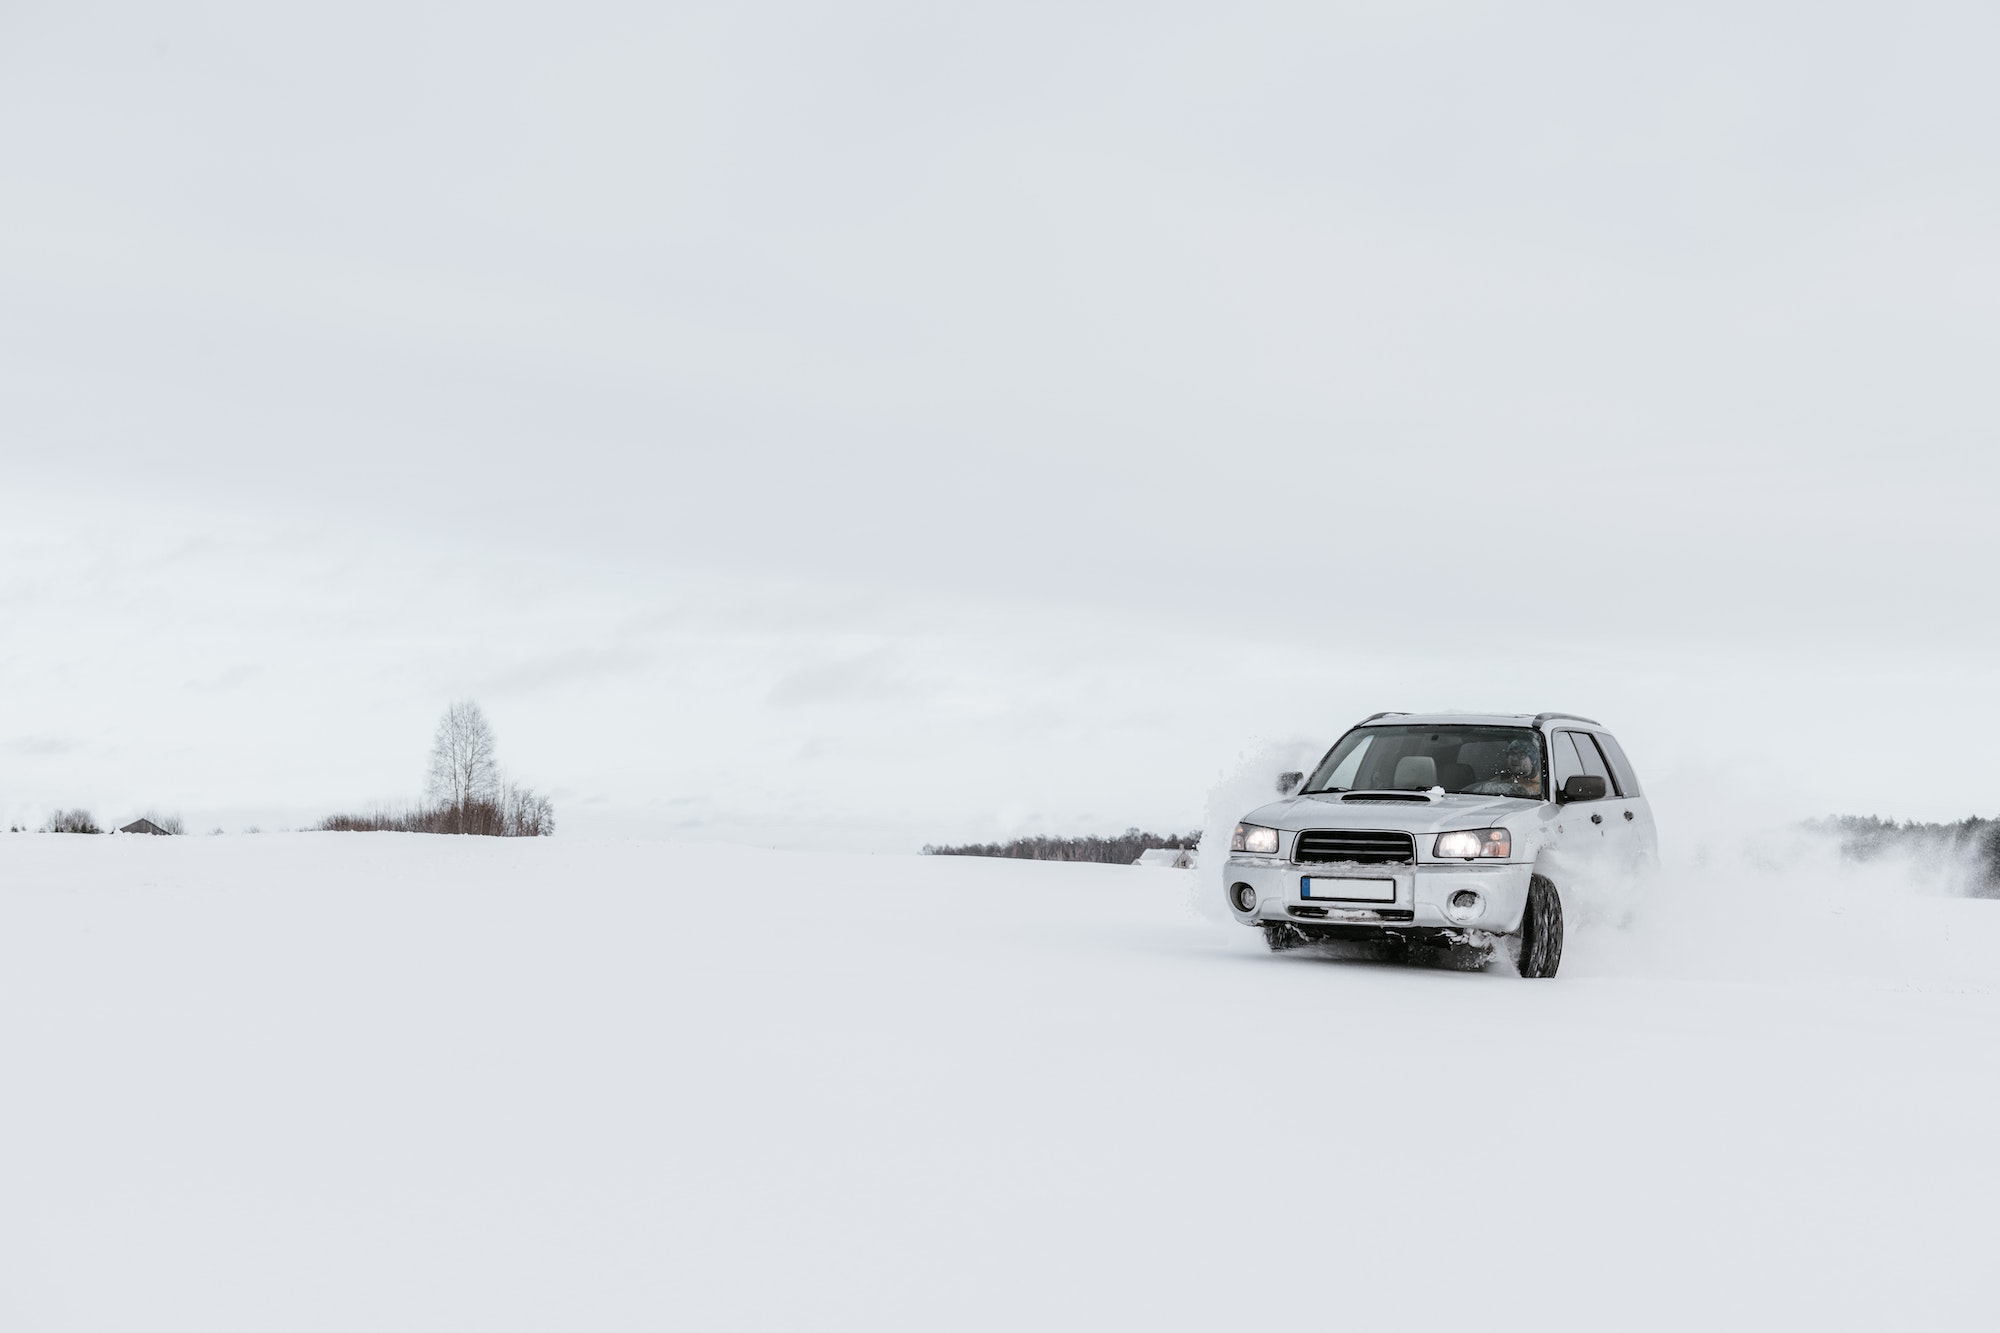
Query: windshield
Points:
[1482, 761]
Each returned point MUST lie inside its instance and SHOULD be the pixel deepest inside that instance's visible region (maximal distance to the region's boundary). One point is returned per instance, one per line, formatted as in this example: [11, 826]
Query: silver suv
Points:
[1452, 831]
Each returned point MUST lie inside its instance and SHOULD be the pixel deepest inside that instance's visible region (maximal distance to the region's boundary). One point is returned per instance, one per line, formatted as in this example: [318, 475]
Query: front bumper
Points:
[1422, 890]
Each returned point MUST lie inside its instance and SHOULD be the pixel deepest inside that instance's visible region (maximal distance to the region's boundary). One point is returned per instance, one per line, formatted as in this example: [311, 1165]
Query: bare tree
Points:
[467, 792]
[463, 772]
[523, 814]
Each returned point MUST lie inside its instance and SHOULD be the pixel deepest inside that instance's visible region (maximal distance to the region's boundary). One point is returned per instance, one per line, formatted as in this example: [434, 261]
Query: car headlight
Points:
[1254, 838]
[1467, 844]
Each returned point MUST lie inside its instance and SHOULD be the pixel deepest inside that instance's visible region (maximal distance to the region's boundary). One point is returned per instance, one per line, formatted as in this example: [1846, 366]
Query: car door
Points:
[1638, 811]
[1580, 843]
[1613, 816]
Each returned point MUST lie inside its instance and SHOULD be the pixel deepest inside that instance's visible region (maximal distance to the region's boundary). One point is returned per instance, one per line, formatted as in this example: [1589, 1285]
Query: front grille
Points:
[1366, 846]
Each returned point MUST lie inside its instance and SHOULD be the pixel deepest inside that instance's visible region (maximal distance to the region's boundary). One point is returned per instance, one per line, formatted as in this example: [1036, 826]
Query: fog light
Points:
[1463, 906]
[1243, 897]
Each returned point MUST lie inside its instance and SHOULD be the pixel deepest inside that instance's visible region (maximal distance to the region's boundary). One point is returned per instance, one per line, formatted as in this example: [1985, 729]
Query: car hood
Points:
[1328, 810]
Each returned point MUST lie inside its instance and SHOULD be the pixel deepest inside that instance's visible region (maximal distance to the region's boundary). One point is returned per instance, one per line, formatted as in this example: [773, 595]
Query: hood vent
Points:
[1389, 797]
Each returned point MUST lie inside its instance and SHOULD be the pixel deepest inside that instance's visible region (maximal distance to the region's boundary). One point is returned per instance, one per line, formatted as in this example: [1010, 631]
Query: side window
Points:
[1562, 756]
[1593, 762]
[1628, 781]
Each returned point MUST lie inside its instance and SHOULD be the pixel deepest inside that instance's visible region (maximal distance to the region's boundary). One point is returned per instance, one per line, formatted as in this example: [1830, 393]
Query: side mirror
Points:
[1289, 783]
[1582, 787]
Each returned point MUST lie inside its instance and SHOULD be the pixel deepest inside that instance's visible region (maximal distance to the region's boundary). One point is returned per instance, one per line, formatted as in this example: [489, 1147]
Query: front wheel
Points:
[1541, 930]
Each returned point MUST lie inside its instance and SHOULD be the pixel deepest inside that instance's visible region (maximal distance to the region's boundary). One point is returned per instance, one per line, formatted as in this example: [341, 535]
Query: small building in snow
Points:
[143, 826]
[1174, 858]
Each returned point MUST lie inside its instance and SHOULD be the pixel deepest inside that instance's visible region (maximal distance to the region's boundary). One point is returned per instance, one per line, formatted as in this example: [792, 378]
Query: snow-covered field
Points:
[388, 1082]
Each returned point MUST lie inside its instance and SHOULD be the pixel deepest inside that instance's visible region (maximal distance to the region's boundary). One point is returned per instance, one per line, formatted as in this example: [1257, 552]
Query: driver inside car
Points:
[1517, 774]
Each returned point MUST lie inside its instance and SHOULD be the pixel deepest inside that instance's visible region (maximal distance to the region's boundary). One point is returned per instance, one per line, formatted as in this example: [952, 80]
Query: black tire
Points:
[1280, 936]
[1541, 930]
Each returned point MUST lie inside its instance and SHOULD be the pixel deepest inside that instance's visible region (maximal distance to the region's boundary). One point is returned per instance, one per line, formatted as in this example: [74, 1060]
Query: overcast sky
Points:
[870, 424]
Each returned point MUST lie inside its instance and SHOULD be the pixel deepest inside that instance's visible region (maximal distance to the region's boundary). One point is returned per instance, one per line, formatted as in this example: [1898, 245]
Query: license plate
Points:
[1320, 887]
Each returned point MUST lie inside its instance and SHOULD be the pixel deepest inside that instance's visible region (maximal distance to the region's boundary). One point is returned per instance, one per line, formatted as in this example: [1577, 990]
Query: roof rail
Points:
[1372, 716]
[1574, 717]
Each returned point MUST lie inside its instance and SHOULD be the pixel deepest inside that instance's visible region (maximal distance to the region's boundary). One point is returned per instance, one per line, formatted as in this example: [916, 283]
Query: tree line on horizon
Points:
[1120, 849]
[1975, 841]
[465, 793]
[82, 821]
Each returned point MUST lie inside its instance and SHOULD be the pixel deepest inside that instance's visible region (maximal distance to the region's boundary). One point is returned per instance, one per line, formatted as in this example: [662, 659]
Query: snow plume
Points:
[1251, 782]
[1746, 893]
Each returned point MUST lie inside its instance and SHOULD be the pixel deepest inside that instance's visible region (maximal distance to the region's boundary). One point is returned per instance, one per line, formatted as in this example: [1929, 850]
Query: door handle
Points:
[1628, 814]
[1597, 819]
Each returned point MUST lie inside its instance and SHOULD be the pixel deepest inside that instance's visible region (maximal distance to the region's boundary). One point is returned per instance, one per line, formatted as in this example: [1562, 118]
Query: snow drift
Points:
[329, 1081]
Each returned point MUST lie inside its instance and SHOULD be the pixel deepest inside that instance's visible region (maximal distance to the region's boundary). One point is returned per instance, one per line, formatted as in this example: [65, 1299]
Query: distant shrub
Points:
[1121, 850]
[71, 821]
[381, 820]
[515, 813]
